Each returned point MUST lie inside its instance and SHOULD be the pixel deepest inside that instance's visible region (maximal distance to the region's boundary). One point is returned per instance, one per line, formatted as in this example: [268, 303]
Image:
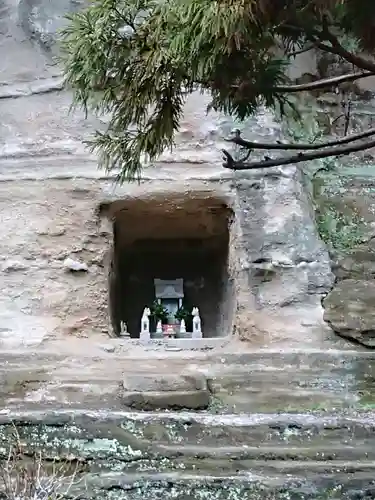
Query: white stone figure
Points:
[159, 328]
[145, 325]
[182, 326]
[124, 329]
[197, 328]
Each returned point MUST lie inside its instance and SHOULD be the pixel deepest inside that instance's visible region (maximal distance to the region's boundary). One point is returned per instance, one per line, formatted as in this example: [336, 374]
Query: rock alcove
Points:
[168, 238]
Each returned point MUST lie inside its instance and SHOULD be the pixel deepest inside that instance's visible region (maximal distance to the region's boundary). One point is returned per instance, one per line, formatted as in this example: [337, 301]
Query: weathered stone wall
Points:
[42, 19]
[43, 223]
[50, 190]
[287, 267]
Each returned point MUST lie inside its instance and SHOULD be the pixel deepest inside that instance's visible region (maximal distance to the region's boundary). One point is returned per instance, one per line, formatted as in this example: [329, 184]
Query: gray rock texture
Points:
[344, 197]
[350, 310]
[42, 19]
[349, 306]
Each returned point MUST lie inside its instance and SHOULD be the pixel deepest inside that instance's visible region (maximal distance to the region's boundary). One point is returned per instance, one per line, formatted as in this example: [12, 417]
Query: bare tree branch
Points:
[321, 84]
[338, 49]
[319, 37]
[348, 109]
[237, 139]
[316, 85]
[301, 51]
[288, 160]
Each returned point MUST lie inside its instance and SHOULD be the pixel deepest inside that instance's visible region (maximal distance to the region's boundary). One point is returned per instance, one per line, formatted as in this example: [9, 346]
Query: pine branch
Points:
[237, 139]
[301, 157]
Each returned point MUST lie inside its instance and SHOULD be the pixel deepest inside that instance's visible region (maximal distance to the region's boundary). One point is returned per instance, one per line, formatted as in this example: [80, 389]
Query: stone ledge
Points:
[195, 400]
[166, 392]
[79, 416]
[187, 344]
[40, 86]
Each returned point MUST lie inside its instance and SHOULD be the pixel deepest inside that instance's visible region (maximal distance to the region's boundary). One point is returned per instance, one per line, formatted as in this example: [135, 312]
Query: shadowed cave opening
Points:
[171, 238]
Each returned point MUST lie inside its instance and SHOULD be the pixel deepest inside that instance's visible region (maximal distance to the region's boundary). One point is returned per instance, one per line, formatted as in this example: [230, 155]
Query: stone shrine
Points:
[169, 295]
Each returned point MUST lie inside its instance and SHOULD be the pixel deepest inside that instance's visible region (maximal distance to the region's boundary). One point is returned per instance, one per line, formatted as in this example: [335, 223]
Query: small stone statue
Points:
[159, 328]
[182, 326]
[124, 329]
[145, 321]
[197, 329]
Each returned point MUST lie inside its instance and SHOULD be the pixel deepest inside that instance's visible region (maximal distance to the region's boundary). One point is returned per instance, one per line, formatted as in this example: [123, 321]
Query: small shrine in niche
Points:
[169, 314]
[169, 294]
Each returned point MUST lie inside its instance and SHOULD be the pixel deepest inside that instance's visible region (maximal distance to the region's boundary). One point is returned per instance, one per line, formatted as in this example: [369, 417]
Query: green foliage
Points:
[159, 312]
[306, 130]
[183, 313]
[135, 61]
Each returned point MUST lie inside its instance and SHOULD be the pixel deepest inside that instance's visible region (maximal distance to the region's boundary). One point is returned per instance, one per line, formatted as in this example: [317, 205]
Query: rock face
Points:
[287, 267]
[349, 307]
[43, 19]
[350, 310]
[51, 190]
[346, 201]
[314, 65]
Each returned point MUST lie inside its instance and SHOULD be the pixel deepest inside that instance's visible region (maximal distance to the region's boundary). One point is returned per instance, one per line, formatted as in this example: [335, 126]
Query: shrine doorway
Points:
[187, 238]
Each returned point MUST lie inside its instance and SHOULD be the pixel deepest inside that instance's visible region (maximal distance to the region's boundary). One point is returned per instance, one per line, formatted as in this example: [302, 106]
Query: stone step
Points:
[256, 358]
[40, 393]
[220, 486]
[151, 455]
[244, 453]
[190, 429]
[248, 486]
[230, 389]
[235, 383]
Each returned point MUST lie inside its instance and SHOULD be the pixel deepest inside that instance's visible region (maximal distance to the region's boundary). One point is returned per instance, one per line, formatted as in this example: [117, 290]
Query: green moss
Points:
[107, 460]
[339, 225]
[339, 231]
[217, 405]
